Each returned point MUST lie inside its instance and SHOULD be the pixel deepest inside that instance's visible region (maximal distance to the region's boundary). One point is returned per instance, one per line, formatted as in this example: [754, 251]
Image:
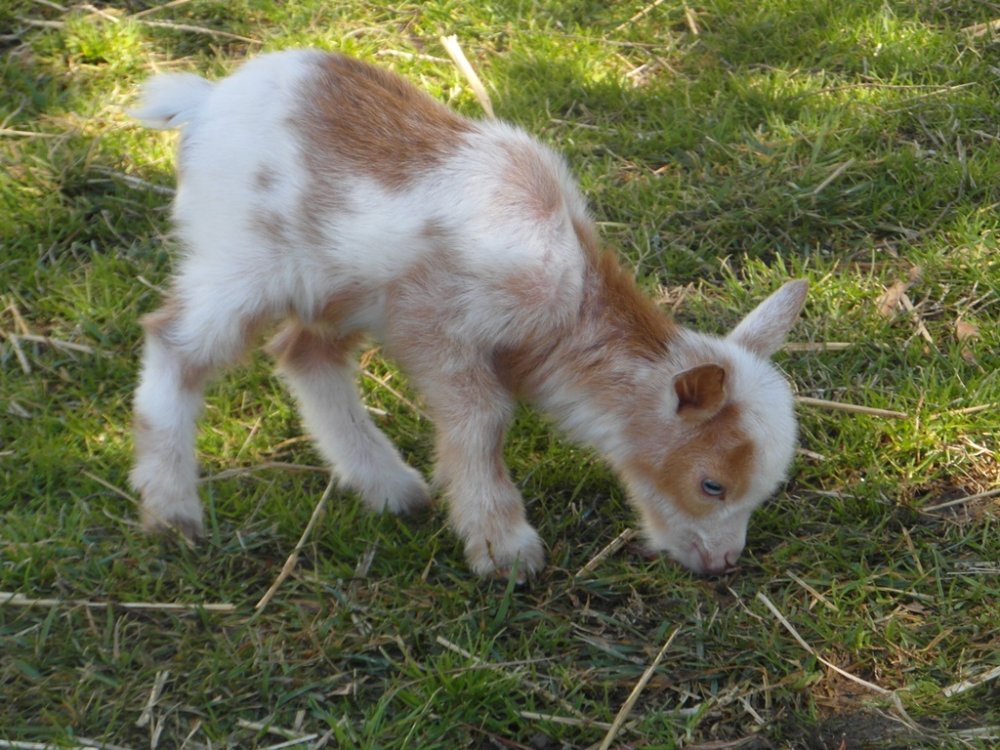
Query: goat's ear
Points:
[763, 331]
[701, 392]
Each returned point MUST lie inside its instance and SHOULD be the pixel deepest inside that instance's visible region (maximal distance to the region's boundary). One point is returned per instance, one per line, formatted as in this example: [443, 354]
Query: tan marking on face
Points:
[373, 122]
[719, 450]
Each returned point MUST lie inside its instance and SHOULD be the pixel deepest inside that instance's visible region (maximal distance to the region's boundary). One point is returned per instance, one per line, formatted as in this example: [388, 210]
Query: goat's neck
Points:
[611, 363]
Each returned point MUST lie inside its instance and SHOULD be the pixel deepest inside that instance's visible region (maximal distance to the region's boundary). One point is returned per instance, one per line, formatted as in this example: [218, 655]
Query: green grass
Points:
[846, 142]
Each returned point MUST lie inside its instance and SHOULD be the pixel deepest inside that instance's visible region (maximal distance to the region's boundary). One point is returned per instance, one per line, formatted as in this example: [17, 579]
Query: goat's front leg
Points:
[472, 411]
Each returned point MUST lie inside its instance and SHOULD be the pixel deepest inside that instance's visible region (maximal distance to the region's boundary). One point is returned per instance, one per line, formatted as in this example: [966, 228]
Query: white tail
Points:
[170, 100]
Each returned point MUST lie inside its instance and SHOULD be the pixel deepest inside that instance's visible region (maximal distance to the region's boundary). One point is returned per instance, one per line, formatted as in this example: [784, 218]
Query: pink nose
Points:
[717, 564]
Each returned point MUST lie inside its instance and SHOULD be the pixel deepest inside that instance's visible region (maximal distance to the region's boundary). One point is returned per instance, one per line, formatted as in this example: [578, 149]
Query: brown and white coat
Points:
[332, 196]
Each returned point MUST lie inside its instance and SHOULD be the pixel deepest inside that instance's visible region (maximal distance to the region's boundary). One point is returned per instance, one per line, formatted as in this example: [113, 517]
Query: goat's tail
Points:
[170, 100]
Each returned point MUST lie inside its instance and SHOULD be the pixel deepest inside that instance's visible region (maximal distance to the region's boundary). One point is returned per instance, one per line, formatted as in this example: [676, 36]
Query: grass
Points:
[725, 146]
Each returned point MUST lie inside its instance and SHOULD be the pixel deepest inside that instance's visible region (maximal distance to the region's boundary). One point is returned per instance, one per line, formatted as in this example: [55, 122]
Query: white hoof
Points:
[519, 551]
[403, 491]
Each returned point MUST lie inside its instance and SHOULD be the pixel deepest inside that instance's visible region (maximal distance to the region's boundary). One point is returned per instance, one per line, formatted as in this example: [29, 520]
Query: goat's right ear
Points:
[764, 330]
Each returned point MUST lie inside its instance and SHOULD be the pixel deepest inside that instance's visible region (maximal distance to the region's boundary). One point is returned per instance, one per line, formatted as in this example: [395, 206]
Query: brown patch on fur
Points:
[529, 187]
[430, 295]
[265, 178]
[343, 304]
[616, 323]
[374, 121]
[629, 319]
[273, 227]
[325, 198]
[514, 366]
[527, 290]
[419, 301]
[161, 324]
[718, 450]
[299, 348]
[142, 434]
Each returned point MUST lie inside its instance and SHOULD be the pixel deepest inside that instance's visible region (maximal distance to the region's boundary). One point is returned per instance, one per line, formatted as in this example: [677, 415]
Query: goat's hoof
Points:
[519, 553]
[183, 527]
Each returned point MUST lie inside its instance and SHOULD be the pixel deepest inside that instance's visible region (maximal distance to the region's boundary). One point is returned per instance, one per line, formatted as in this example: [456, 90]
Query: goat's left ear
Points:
[701, 392]
[764, 330]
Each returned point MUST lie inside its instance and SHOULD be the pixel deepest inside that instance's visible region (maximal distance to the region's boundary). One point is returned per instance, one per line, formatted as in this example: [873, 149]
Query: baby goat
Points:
[334, 197]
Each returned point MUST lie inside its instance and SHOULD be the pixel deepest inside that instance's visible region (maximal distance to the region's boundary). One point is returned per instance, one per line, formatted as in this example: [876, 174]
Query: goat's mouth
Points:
[701, 562]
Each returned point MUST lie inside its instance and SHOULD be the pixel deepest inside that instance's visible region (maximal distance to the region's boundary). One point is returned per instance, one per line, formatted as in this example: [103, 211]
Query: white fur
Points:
[362, 457]
[171, 100]
[713, 543]
[253, 255]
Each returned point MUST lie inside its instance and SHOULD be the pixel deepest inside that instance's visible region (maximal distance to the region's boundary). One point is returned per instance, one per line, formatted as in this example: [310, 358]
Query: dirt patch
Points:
[860, 730]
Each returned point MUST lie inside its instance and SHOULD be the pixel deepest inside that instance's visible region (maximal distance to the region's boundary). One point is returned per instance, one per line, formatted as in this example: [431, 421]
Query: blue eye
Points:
[712, 488]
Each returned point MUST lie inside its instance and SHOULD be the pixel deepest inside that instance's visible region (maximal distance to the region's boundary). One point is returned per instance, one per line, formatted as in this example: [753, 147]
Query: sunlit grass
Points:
[725, 147]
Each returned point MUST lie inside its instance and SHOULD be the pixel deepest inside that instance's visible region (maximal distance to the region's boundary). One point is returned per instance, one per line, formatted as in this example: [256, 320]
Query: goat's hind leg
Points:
[186, 341]
[318, 365]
